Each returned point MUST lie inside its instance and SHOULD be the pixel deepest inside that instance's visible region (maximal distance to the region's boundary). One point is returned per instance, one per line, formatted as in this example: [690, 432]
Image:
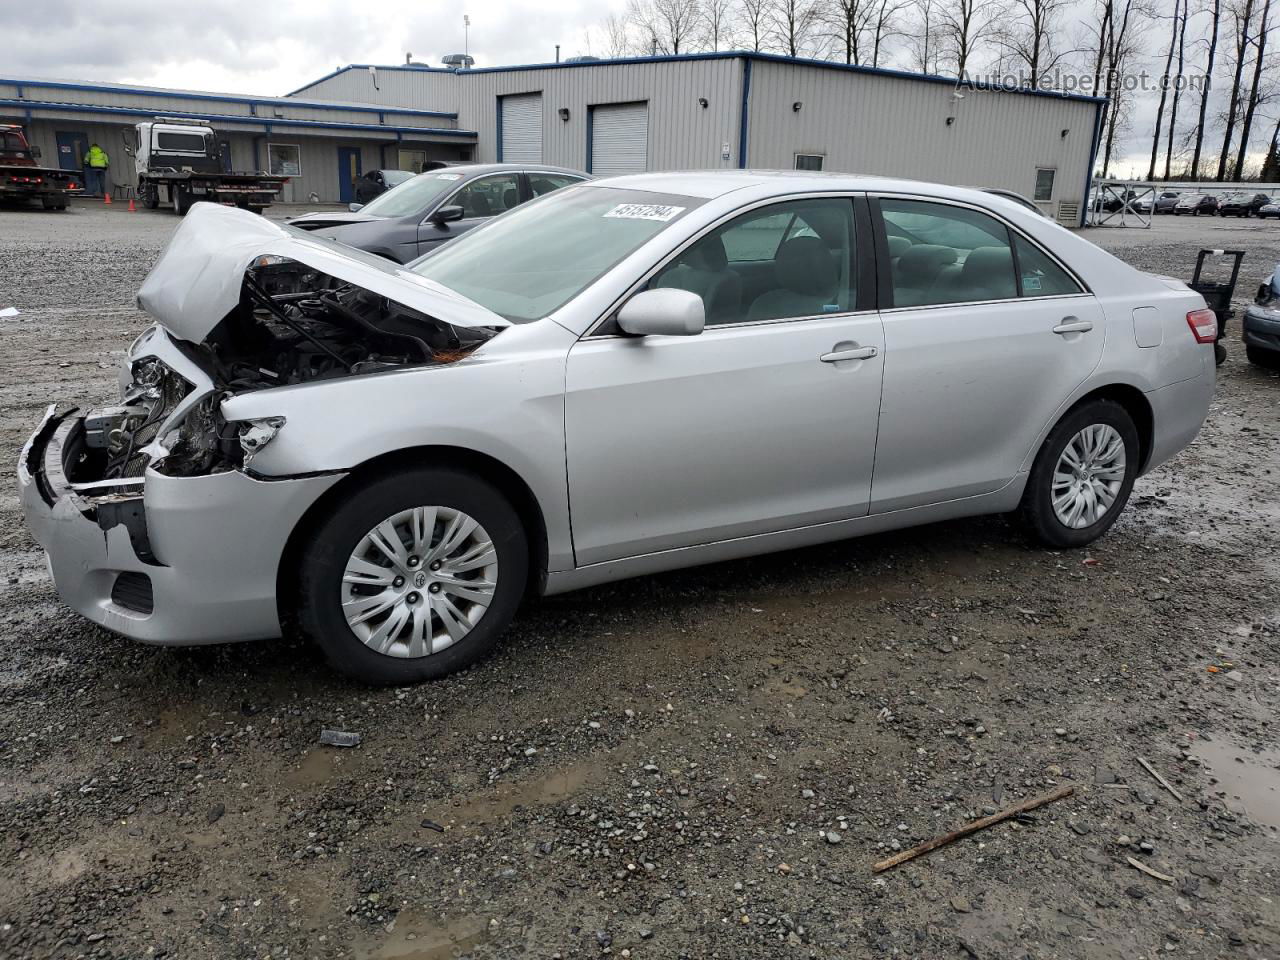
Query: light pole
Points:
[466, 34]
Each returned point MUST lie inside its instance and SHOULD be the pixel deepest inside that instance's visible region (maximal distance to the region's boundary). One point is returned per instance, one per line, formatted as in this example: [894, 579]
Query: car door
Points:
[763, 422]
[985, 336]
[481, 199]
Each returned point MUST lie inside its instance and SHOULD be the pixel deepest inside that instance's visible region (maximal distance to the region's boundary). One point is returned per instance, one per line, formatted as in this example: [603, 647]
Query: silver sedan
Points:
[622, 377]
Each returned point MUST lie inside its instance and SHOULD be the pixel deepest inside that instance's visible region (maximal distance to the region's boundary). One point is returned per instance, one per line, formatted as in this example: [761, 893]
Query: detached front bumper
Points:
[184, 560]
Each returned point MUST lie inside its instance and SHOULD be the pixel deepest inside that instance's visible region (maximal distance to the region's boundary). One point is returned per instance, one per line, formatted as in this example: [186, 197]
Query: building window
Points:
[283, 159]
[1044, 185]
[809, 161]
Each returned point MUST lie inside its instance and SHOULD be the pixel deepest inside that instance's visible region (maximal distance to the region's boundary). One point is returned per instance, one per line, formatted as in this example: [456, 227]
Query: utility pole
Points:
[466, 34]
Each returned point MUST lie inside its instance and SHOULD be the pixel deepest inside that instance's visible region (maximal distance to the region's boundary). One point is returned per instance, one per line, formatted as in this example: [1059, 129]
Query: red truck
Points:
[22, 180]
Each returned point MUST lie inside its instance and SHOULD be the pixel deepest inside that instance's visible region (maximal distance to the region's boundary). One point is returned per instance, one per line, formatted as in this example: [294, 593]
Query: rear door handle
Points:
[854, 353]
[1072, 325]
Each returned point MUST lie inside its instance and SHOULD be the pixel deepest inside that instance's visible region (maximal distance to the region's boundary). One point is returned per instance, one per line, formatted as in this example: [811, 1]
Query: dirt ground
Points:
[703, 764]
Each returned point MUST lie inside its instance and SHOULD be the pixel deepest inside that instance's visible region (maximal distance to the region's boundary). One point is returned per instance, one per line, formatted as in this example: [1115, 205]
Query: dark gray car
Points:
[420, 214]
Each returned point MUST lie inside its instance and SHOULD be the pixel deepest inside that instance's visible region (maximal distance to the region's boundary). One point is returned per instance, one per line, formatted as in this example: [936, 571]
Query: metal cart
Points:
[1217, 294]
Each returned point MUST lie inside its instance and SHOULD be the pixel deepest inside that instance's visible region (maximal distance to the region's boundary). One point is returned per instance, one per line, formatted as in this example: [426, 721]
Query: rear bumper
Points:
[1178, 412]
[1260, 331]
[209, 546]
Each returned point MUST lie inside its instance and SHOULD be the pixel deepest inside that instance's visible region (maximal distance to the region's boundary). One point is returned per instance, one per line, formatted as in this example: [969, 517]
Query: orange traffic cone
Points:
[132, 208]
[106, 197]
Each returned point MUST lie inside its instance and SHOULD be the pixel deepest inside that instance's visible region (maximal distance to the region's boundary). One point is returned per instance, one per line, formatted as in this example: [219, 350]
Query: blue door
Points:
[349, 171]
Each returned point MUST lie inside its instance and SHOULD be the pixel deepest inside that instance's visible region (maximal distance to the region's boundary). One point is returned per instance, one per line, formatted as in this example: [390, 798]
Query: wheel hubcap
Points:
[419, 581]
[1088, 476]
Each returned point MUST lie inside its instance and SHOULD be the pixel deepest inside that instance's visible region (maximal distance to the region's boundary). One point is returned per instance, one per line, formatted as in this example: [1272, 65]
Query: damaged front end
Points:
[135, 501]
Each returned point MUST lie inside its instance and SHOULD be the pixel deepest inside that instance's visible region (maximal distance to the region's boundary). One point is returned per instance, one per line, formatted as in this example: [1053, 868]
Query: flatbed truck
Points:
[22, 180]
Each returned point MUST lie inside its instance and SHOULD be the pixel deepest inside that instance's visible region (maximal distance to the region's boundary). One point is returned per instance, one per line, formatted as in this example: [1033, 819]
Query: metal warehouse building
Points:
[615, 116]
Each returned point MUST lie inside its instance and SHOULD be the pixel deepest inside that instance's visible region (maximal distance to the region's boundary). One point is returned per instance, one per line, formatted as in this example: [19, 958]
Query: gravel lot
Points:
[701, 764]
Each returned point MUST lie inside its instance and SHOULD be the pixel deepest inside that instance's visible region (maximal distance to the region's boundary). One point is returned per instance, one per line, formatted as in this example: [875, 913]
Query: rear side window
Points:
[1041, 277]
[540, 183]
[940, 253]
[184, 142]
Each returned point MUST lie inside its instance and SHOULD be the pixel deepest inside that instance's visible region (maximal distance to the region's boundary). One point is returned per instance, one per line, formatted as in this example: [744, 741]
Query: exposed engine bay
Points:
[293, 324]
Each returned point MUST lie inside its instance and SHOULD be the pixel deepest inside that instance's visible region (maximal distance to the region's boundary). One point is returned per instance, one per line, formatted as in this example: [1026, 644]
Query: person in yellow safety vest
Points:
[96, 161]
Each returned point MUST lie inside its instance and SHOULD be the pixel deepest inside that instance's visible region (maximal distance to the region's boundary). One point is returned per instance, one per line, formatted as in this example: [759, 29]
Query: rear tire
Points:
[385, 620]
[1108, 465]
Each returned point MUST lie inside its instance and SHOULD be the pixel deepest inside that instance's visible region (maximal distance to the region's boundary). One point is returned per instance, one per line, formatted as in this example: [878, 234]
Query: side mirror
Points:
[353, 207]
[666, 312]
[447, 214]
[35, 151]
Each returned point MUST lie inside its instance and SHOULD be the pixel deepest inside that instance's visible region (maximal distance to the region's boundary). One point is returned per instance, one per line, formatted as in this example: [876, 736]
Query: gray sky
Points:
[274, 47]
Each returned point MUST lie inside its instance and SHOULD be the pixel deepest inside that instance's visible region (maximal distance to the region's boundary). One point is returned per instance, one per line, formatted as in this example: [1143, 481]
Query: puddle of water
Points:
[553, 787]
[420, 938]
[1251, 780]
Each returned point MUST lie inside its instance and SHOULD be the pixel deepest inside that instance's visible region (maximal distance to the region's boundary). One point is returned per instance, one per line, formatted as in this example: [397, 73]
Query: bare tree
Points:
[964, 26]
[1204, 91]
[925, 40]
[755, 22]
[1242, 15]
[1029, 36]
[718, 24]
[885, 25]
[669, 26]
[1177, 88]
[1164, 91]
[847, 20]
[1122, 46]
[618, 41]
[794, 25]
[1255, 92]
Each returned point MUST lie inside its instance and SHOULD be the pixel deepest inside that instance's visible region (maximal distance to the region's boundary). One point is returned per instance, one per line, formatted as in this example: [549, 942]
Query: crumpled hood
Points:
[196, 282]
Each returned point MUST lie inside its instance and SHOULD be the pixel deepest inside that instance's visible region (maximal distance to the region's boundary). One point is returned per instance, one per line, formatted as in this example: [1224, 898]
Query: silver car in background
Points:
[622, 377]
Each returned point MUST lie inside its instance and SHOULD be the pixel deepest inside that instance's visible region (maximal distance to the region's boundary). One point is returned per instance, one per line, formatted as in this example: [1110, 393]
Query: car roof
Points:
[710, 184]
[476, 169]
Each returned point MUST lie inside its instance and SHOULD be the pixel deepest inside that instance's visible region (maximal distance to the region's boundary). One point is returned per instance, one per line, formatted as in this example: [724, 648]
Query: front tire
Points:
[412, 576]
[1267, 359]
[1082, 476]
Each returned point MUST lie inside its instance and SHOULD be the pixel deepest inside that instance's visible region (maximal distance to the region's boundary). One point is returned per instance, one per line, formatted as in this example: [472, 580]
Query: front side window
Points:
[541, 183]
[946, 254]
[489, 196]
[1044, 184]
[543, 254]
[1041, 277]
[792, 259]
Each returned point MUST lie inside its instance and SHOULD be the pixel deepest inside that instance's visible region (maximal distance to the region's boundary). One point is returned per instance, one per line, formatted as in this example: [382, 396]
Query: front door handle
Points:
[853, 353]
[1072, 325]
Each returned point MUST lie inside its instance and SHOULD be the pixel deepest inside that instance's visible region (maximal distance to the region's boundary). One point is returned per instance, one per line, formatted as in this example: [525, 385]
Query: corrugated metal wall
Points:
[898, 127]
[392, 86]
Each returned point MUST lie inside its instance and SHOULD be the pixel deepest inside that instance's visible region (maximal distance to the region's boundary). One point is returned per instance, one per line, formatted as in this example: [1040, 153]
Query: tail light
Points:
[1204, 325]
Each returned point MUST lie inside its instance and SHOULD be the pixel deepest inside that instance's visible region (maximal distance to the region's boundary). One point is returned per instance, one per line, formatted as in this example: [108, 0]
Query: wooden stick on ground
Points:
[1159, 779]
[974, 827]
[1138, 864]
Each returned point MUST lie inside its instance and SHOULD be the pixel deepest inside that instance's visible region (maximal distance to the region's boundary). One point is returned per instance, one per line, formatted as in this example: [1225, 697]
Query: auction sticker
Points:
[644, 211]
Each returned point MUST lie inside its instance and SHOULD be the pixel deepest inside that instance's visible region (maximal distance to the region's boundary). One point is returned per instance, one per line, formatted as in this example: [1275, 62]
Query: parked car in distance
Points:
[1166, 200]
[625, 376]
[1242, 204]
[433, 208]
[1196, 204]
[1271, 209]
[1260, 326]
[377, 182]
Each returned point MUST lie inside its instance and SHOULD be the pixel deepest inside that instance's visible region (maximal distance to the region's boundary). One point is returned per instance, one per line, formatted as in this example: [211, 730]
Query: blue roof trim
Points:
[734, 55]
[223, 97]
[215, 118]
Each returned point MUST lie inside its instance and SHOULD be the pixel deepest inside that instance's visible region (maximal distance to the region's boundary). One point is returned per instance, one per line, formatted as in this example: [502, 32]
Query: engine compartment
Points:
[293, 324]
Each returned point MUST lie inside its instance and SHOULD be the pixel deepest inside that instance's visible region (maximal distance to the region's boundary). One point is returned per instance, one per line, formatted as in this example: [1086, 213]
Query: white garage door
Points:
[522, 128]
[619, 139]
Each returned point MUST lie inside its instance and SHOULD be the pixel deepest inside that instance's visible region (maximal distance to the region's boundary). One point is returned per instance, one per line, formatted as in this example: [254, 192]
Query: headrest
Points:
[804, 265]
[707, 254]
[988, 267]
[898, 246]
[923, 262]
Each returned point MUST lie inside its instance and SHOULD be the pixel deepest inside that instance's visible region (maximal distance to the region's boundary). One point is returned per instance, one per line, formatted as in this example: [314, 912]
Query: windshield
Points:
[413, 196]
[393, 178]
[530, 262]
